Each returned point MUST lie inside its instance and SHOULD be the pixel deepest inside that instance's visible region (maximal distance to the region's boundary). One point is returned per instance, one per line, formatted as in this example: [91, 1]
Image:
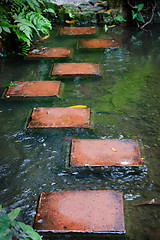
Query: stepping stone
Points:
[74, 69]
[105, 152]
[61, 117]
[33, 89]
[99, 43]
[77, 30]
[97, 211]
[49, 52]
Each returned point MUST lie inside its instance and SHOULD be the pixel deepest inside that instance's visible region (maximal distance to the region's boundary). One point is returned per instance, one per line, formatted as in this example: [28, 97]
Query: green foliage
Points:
[119, 19]
[10, 84]
[105, 28]
[11, 229]
[24, 18]
[136, 13]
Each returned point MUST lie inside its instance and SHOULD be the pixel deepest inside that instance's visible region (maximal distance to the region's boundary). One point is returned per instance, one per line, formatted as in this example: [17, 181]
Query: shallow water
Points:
[124, 104]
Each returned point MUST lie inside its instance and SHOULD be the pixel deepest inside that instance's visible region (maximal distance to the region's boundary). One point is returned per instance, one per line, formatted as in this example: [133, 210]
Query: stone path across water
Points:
[97, 211]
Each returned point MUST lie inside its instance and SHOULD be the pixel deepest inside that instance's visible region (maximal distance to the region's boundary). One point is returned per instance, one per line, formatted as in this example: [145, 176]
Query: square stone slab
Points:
[105, 152]
[99, 43]
[77, 30]
[97, 211]
[33, 89]
[49, 52]
[74, 69]
[59, 117]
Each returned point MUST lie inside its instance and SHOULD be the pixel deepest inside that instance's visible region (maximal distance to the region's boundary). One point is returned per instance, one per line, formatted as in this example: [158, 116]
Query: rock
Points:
[68, 2]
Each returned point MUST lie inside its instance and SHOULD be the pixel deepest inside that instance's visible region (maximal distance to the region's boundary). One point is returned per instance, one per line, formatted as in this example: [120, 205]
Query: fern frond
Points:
[25, 26]
[21, 36]
[41, 23]
[24, 48]
[33, 4]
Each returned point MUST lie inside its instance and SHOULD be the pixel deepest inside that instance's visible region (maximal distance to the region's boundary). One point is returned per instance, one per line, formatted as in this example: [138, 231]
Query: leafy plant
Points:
[136, 14]
[143, 13]
[119, 19]
[11, 229]
[24, 19]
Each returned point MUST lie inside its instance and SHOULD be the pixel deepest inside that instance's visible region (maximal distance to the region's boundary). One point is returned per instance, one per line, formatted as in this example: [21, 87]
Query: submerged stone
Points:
[49, 52]
[105, 152]
[33, 89]
[97, 211]
[74, 69]
[61, 117]
[77, 30]
[99, 43]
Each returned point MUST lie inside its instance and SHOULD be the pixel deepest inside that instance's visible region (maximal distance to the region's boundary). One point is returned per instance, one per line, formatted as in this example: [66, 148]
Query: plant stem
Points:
[153, 10]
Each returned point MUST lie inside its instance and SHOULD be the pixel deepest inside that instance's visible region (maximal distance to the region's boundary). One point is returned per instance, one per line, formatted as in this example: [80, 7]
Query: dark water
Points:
[125, 103]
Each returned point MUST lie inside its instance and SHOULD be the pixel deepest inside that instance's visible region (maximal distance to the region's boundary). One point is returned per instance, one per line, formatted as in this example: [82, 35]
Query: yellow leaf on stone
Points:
[114, 150]
[70, 22]
[78, 106]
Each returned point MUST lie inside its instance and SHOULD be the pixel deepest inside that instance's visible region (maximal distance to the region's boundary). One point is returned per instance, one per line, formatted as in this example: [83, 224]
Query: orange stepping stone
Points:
[77, 30]
[99, 43]
[33, 89]
[73, 69]
[105, 152]
[49, 52]
[97, 211]
[59, 117]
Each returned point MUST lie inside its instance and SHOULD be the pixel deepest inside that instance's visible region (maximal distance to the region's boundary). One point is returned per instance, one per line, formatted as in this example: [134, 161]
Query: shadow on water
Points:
[124, 103]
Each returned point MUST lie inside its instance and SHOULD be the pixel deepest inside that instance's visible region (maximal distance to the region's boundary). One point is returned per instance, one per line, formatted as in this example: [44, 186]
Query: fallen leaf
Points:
[114, 150]
[151, 202]
[70, 22]
[111, 26]
[78, 106]
[110, 10]
[45, 37]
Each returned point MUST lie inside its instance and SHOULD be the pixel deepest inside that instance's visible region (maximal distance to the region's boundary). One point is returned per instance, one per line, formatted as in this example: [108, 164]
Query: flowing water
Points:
[124, 104]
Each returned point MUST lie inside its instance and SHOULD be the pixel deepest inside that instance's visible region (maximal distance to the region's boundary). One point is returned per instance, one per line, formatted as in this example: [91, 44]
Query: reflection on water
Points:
[124, 104]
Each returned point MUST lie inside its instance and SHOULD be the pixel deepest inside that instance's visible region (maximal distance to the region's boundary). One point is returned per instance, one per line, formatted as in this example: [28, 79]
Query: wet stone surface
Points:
[59, 117]
[105, 152]
[33, 89]
[97, 211]
[99, 43]
[77, 31]
[74, 69]
[49, 52]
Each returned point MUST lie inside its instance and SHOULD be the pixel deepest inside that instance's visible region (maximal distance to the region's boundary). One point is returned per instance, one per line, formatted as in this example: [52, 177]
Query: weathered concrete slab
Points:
[49, 52]
[105, 152]
[33, 89]
[99, 43]
[74, 69]
[59, 117]
[77, 31]
[97, 211]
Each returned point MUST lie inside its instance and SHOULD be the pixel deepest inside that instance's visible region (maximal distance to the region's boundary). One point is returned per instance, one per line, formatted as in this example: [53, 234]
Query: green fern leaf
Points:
[21, 36]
